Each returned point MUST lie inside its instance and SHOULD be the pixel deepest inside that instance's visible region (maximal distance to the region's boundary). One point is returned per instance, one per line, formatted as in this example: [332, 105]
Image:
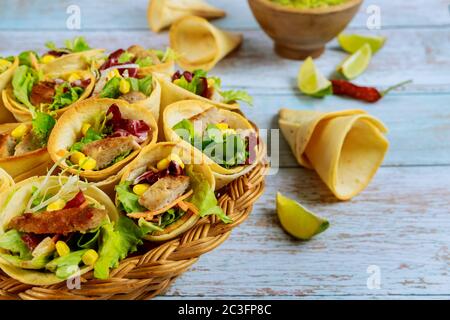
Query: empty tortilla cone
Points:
[72, 61]
[20, 167]
[194, 110]
[23, 114]
[5, 78]
[162, 13]
[68, 131]
[345, 148]
[200, 44]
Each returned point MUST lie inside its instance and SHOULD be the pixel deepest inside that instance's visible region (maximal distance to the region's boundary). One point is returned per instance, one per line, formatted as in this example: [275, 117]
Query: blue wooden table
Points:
[397, 230]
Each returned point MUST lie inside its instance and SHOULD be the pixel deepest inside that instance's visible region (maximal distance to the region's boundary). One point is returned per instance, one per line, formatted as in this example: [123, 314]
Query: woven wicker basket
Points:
[150, 273]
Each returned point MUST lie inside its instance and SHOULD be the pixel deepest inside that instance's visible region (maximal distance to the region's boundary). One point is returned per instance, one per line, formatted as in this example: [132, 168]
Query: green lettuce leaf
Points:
[128, 200]
[12, 241]
[65, 95]
[111, 89]
[116, 242]
[23, 80]
[144, 62]
[147, 226]
[42, 125]
[236, 95]
[67, 265]
[195, 86]
[34, 264]
[125, 57]
[78, 44]
[145, 85]
[185, 129]
[25, 59]
[204, 198]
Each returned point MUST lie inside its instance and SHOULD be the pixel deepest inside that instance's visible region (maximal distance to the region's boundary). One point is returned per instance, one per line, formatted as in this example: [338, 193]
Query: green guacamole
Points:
[303, 4]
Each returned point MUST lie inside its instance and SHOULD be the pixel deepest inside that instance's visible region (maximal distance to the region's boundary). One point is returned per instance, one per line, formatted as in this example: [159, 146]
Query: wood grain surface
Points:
[400, 223]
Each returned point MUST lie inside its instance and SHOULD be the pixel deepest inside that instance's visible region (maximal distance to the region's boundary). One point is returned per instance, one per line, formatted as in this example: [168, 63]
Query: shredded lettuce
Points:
[78, 44]
[112, 87]
[125, 57]
[65, 95]
[25, 58]
[67, 265]
[42, 125]
[236, 95]
[147, 226]
[128, 200]
[23, 80]
[145, 85]
[144, 62]
[12, 241]
[90, 136]
[204, 198]
[195, 85]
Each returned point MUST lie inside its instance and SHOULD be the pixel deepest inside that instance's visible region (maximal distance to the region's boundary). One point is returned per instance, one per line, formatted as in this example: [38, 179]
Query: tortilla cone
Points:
[68, 130]
[344, 147]
[5, 78]
[162, 13]
[17, 199]
[152, 102]
[6, 182]
[27, 165]
[22, 113]
[167, 67]
[200, 44]
[190, 108]
[151, 155]
[72, 61]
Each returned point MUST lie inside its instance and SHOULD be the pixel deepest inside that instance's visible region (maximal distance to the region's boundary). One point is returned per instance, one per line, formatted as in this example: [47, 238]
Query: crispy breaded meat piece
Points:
[106, 150]
[7, 144]
[28, 143]
[42, 92]
[164, 191]
[62, 221]
[133, 96]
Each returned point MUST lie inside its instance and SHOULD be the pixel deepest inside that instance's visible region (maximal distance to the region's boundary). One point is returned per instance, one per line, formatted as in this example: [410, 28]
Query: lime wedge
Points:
[297, 220]
[355, 64]
[353, 42]
[311, 82]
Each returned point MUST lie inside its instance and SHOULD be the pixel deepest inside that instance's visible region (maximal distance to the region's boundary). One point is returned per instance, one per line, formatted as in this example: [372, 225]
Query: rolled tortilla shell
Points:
[162, 13]
[22, 112]
[6, 182]
[200, 44]
[5, 79]
[345, 147]
[188, 109]
[26, 165]
[18, 197]
[67, 131]
[72, 61]
[150, 156]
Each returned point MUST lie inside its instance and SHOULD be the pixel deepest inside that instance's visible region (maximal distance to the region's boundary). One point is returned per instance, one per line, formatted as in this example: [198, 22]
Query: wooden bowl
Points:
[299, 33]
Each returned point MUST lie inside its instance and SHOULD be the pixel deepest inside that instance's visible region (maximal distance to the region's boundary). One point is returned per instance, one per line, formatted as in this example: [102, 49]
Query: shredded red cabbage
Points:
[31, 240]
[76, 202]
[123, 127]
[150, 177]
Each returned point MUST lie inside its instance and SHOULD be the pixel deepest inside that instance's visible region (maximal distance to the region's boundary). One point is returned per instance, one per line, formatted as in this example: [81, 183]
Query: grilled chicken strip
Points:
[106, 150]
[7, 144]
[28, 143]
[59, 222]
[164, 191]
[133, 96]
[209, 116]
[140, 52]
[42, 92]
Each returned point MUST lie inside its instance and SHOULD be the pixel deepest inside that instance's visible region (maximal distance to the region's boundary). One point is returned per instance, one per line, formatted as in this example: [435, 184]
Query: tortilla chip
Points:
[200, 44]
[345, 147]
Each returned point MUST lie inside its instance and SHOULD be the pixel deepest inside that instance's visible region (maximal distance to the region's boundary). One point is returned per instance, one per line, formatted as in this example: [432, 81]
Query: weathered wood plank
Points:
[116, 14]
[399, 223]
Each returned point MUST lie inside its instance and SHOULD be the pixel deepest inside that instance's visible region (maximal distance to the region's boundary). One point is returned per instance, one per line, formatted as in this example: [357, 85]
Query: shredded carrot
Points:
[185, 206]
[148, 215]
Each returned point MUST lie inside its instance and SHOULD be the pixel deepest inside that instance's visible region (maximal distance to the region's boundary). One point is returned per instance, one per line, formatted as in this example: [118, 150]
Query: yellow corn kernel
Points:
[124, 86]
[85, 128]
[56, 205]
[47, 58]
[88, 164]
[77, 157]
[211, 82]
[113, 73]
[62, 248]
[4, 63]
[140, 189]
[222, 126]
[74, 77]
[175, 158]
[163, 164]
[20, 131]
[89, 257]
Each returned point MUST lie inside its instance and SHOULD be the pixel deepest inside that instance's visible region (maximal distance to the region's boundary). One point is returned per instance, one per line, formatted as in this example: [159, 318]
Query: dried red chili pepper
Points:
[368, 94]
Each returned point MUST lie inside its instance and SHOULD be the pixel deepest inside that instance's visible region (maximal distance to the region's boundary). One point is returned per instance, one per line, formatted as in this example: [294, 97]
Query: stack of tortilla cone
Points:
[23, 114]
[15, 206]
[191, 108]
[200, 44]
[68, 130]
[5, 78]
[72, 61]
[150, 156]
[162, 13]
[345, 147]
[27, 165]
